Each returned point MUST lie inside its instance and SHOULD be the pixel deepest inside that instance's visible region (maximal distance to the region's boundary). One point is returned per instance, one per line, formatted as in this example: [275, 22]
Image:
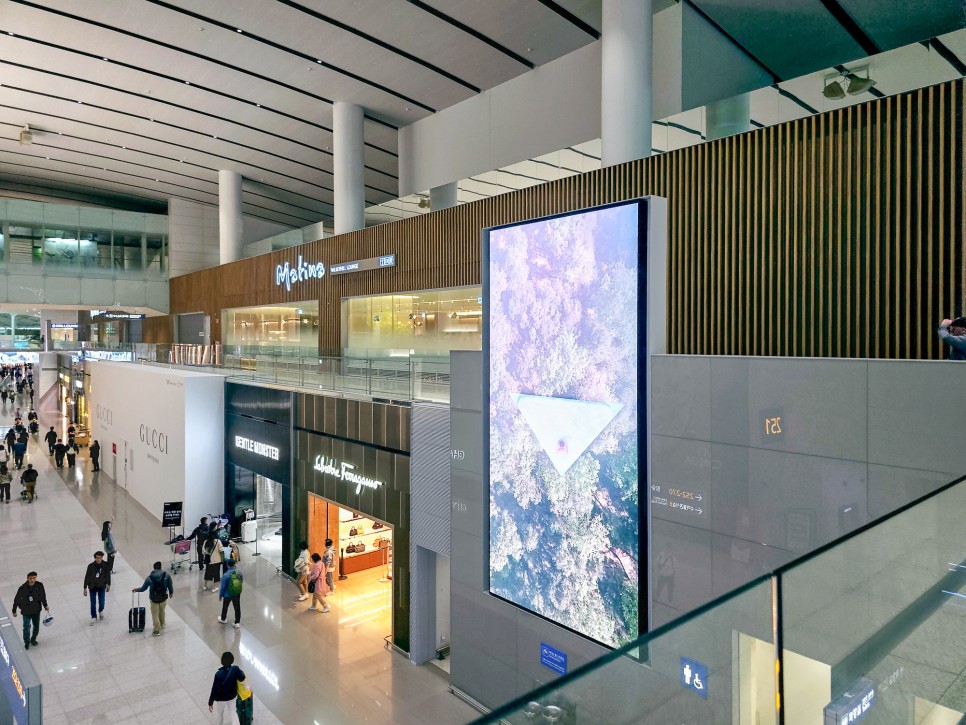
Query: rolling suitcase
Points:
[135, 617]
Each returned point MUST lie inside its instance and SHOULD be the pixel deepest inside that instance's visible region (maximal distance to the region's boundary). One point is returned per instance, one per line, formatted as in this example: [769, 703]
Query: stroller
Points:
[34, 427]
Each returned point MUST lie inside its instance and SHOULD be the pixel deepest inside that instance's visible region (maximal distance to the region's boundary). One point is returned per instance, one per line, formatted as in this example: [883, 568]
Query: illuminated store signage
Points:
[259, 449]
[344, 472]
[260, 667]
[364, 265]
[852, 705]
[63, 326]
[122, 316]
[288, 274]
[13, 685]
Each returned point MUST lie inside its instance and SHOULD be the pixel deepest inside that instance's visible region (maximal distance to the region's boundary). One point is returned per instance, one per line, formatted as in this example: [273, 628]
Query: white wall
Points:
[185, 407]
[558, 104]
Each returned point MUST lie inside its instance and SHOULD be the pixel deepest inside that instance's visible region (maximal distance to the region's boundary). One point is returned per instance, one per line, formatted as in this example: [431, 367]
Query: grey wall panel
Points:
[681, 397]
[895, 487]
[466, 380]
[821, 404]
[917, 413]
[430, 474]
[681, 480]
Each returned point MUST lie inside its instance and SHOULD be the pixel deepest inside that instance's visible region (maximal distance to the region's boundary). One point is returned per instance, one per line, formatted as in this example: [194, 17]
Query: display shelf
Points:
[359, 536]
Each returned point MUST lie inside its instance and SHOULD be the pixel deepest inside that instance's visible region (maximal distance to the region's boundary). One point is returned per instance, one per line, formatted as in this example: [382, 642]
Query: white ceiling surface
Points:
[152, 122]
[257, 101]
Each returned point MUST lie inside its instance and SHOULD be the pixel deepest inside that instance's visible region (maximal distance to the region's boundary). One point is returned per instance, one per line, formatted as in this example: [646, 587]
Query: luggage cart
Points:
[181, 555]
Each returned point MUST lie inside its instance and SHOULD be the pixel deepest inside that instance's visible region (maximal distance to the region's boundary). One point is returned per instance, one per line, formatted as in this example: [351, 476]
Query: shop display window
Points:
[291, 328]
[429, 322]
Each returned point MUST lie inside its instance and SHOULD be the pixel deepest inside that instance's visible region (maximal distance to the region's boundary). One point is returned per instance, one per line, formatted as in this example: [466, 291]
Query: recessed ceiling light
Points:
[9, 33]
[80, 101]
[104, 59]
[318, 61]
[47, 157]
[258, 105]
[155, 179]
[238, 30]
[187, 83]
[213, 136]
[123, 147]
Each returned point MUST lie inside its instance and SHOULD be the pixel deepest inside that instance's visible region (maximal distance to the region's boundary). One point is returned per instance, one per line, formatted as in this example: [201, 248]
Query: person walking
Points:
[30, 598]
[200, 535]
[19, 451]
[162, 589]
[10, 438]
[953, 334]
[97, 581]
[316, 583]
[108, 538]
[230, 592]
[59, 451]
[95, 453]
[214, 557]
[72, 449]
[302, 566]
[328, 559]
[29, 480]
[224, 689]
[5, 480]
[50, 439]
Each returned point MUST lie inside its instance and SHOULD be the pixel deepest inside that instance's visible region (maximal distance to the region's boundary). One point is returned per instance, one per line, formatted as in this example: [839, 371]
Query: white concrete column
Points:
[727, 117]
[347, 156]
[443, 197]
[230, 222]
[627, 41]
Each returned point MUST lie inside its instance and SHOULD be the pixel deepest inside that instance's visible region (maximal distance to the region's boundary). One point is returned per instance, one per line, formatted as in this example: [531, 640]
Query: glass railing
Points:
[410, 378]
[867, 628]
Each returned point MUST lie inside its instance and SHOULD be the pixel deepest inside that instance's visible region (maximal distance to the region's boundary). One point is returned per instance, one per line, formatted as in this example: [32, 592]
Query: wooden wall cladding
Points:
[156, 329]
[838, 235]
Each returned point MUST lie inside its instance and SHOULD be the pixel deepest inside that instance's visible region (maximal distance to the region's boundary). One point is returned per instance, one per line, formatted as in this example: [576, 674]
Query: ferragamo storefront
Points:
[351, 485]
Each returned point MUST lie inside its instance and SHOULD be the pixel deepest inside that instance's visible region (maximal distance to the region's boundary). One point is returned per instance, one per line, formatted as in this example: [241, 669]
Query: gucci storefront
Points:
[351, 485]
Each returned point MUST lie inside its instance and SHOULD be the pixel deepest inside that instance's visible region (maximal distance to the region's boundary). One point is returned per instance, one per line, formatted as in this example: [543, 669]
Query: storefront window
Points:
[272, 329]
[431, 322]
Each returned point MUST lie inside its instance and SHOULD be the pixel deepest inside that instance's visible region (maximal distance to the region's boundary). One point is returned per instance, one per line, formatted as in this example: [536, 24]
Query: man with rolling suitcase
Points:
[161, 589]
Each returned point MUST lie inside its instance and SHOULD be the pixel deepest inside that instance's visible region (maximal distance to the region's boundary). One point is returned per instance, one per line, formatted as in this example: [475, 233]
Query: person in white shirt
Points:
[302, 566]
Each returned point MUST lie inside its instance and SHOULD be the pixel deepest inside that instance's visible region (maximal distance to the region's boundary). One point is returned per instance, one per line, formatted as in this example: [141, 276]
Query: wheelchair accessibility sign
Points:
[694, 676]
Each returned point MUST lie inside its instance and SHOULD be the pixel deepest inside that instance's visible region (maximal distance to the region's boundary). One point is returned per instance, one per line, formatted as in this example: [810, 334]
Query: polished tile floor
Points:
[304, 667]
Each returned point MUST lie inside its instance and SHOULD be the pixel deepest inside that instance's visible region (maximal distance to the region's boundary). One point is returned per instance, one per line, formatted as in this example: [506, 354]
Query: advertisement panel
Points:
[565, 366]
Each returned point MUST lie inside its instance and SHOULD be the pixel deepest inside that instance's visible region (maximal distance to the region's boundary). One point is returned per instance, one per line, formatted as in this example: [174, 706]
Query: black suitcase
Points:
[135, 617]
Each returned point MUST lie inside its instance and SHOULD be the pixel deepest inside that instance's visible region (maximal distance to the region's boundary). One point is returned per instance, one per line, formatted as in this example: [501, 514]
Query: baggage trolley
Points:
[181, 555]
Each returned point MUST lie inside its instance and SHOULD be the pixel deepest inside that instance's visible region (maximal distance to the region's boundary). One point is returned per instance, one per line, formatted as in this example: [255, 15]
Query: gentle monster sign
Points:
[344, 472]
[288, 274]
[259, 449]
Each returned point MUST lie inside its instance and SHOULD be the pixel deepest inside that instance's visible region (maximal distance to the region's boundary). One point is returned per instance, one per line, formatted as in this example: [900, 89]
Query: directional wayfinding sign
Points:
[694, 676]
[852, 705]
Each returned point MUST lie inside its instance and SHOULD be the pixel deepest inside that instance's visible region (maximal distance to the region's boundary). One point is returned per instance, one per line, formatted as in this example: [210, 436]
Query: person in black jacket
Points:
[224, 688]
[29, 600]
[200, 534]
[29, 480]
[95, 453]
[97, 580]
[72, 450]
[59, 450]
[50, 439]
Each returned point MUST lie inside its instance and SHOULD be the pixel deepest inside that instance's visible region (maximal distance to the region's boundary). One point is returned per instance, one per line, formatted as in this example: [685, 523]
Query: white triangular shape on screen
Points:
[564, 427]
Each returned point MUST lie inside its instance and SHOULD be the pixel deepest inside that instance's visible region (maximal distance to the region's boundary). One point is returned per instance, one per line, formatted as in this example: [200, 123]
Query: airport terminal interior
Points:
[431, 362]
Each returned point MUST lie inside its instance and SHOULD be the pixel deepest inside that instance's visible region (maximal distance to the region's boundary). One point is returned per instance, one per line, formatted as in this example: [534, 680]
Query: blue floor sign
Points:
[694, 676]
[553, 659]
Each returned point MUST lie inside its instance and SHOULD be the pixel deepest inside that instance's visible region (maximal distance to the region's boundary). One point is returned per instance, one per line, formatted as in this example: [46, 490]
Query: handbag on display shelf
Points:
[353, 531]
[382, 543]
[376, 525]
[360, 547]
[350, 549]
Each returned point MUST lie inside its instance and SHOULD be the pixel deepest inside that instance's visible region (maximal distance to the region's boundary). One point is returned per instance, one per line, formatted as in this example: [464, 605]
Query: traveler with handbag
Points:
[162, 588]
[316, 582]
[225, 688]
[328, 558]
[230, 592]
[214, 557]
[200, 534]
[301, 568]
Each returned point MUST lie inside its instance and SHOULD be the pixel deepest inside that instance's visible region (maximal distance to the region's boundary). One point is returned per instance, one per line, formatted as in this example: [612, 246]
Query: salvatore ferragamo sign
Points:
[344, 472]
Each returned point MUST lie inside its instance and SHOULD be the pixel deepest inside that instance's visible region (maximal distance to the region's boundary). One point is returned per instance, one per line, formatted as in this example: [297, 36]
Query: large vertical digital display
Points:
[564, 350]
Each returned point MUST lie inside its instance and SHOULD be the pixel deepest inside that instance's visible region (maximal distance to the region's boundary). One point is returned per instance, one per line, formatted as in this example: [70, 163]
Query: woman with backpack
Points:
[214, 557]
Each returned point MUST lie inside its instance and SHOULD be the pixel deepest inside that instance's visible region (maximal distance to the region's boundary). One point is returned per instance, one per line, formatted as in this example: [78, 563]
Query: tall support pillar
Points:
[230, 223]
[627, 44]
[347, 156]
[443, 197]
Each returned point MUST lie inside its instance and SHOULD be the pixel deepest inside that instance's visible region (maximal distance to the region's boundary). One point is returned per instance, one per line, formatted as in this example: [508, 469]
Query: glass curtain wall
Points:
[61, 239]
[284, 329]
[430, 322]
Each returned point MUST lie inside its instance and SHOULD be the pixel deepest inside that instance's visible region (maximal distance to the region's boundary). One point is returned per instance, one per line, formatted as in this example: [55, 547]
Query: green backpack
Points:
[234, 583]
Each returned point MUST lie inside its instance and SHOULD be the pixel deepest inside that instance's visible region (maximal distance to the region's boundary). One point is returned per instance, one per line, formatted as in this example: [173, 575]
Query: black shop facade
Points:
[351, 485]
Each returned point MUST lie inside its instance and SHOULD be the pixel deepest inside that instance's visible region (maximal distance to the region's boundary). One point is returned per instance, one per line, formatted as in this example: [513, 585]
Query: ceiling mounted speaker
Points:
[26, 138]
[859, 85]
[834, 91]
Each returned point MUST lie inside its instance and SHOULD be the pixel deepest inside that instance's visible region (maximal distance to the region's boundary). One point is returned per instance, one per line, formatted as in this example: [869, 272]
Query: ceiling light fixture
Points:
[833, 89]
[859, 85]
[26, 137]
[238, 30]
